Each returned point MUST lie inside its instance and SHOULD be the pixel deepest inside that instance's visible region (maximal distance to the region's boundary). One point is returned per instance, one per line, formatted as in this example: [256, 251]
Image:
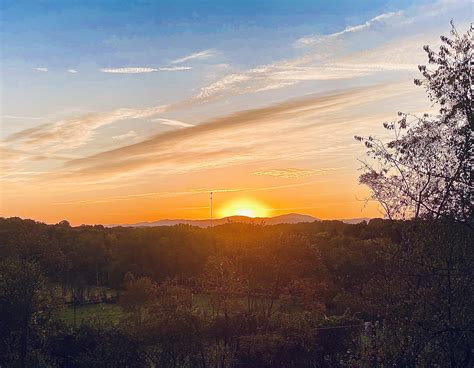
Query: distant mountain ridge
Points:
[291, 218]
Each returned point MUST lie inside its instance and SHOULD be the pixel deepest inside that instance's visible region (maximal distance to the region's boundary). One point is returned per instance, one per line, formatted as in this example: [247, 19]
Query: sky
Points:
[121, 112]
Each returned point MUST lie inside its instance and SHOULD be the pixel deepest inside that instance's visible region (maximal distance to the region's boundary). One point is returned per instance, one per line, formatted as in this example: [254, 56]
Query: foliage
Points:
[94, 346]
[285, 295]
[425, 293]
[25, 310]
[425, 171]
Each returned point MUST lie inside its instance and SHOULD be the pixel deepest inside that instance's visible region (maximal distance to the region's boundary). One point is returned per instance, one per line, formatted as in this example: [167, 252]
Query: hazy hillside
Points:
[291, 218]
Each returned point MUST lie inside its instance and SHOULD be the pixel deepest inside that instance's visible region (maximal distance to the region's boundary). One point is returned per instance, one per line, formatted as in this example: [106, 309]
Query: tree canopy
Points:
[425, 170]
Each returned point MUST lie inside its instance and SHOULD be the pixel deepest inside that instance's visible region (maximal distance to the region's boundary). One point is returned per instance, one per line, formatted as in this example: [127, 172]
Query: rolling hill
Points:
[291, 218]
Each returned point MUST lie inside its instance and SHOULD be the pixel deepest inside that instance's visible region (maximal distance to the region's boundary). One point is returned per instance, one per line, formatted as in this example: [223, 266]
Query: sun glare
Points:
[244, 207]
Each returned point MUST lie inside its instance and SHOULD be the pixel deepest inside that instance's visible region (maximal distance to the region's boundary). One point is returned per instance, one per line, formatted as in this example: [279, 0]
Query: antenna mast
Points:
[211, 208]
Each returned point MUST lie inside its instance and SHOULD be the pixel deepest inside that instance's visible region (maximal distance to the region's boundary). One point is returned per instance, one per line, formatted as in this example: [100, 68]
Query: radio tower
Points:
[211, 208]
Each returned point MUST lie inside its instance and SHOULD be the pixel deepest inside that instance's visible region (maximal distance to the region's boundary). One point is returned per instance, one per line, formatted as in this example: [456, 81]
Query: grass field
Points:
[105, 313]
[111, 314]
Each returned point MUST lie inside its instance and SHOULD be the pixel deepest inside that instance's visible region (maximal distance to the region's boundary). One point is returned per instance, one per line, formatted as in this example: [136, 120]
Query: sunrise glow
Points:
[244, 207]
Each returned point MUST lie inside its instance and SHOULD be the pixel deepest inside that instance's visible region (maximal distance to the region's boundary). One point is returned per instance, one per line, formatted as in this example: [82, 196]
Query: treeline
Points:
[325, 294]
[102, 256]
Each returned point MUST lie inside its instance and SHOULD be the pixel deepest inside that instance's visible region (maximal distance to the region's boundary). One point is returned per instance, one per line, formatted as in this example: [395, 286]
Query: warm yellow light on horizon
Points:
[249, 212]
[243, 207]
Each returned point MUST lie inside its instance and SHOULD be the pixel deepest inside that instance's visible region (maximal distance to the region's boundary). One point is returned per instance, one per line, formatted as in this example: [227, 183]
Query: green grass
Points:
[111, 314]
[104, 313]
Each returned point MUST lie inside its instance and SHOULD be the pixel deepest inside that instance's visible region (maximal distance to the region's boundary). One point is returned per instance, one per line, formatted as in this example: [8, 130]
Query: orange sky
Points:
[295, 156]
[138, 142]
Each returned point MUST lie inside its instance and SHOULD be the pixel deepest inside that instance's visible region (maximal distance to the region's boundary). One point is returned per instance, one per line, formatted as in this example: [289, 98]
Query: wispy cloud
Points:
[317, 39]
[284, 74]
[171, 122]
[191, 192]
[331, 62]
[129, 70]
[74, 132]
[11, 157]
[72, 71]
[293, 173]
[44, 70]
[20, 117]
[141, 70]
[398, 54]
[205, 54]
[249, 136]
[174, 68]
[129, 135]
[164, 194]
[336, 56]
[188, 192]
[226, 83]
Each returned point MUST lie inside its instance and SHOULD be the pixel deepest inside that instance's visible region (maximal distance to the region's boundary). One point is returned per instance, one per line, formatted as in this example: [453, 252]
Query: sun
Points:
[244, 207]
[249, 212]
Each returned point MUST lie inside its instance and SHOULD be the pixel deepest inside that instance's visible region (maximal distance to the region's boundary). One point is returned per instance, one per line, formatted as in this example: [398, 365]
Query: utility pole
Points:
[213, 240]
[211, 208]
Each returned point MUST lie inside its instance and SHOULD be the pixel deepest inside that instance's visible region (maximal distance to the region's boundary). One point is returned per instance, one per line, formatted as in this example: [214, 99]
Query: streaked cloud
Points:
[20, 117]
[129, 70]
[174, 68]
[226, 83]
[10, 159]
[188, 192]
[129, 135]
[329, 57]
[142, 70]
[399, 54]
[171, 122]
[44, 70]
[72, 71]
[247, 136]
[310, 67]
[317, 39]
[74, 132]
[164, 194]
[293, 173]
[9, 155]
[284, 74]
[205, 54]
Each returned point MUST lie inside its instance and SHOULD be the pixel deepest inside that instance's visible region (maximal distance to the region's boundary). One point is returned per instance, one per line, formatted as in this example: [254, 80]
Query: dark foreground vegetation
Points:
[326, 294]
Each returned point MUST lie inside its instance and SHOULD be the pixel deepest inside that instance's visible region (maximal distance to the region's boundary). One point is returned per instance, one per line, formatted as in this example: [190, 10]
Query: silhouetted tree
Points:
[425, 171]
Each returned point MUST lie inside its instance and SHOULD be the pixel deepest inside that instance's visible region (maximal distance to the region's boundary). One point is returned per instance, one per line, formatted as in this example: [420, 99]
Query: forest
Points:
[393, 292]
[322, 294]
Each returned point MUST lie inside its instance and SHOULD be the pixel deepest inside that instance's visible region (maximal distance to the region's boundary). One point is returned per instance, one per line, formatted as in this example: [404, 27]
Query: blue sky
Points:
[73, 33]
[86, 36]
[89, 88]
